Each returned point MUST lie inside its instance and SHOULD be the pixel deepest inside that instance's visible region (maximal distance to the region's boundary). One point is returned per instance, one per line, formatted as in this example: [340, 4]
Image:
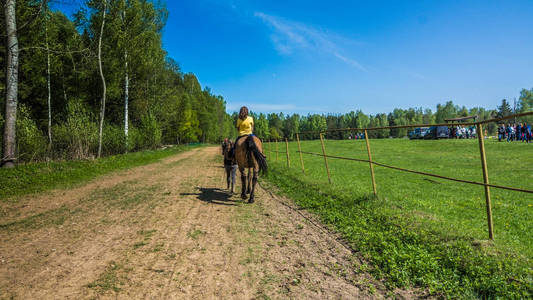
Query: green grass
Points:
[111, 279]
[424, 231]
[39, 177]
[195, 234]
[55, 216]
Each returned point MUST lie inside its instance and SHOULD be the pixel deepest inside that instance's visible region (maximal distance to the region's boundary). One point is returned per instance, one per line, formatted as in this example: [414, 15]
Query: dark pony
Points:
[230, 165]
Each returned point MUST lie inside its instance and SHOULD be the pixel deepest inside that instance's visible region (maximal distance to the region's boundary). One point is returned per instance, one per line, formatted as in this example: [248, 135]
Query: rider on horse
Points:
[245, 124]
[248, 153]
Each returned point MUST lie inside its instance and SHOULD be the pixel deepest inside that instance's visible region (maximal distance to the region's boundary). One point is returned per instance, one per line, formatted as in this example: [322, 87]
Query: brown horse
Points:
[230, 165]
[249, 155]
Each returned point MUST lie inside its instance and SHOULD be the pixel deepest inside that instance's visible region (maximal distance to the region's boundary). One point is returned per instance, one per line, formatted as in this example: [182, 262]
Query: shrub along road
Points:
[169, 230]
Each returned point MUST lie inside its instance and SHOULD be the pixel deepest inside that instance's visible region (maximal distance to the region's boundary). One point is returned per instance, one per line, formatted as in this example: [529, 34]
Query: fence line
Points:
[481, 141]
[287, 152]
[371, 165]
[495, 120]
[485, 179]
[300, 151]
[325, 157]
[424, 173]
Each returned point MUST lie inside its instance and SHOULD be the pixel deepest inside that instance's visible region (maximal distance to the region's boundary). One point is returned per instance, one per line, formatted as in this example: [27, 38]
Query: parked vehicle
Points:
[418, 133]
[437, 132]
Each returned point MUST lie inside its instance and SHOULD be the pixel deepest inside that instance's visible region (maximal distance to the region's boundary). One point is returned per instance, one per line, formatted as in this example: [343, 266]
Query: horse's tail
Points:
[259, 157]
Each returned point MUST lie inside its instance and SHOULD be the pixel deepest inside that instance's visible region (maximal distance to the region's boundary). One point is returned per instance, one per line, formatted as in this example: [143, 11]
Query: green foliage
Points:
[165, 105]
[280, 126]
[274, 134]
[31, 144]
[504, 109]
[113, 140]
[262, 129]
[150, 132]
[77, 137]
[526, 104]
[422, 231]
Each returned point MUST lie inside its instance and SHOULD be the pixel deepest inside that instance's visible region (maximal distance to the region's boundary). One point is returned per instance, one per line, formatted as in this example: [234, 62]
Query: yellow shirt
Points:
[245, 127]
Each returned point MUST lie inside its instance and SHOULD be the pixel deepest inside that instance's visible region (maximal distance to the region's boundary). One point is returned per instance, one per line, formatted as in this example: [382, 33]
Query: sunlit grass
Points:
[38, 177]
[432, 210]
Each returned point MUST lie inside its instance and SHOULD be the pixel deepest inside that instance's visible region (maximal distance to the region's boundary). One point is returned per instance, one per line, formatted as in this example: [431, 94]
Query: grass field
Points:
[37, 177]
[424, 231]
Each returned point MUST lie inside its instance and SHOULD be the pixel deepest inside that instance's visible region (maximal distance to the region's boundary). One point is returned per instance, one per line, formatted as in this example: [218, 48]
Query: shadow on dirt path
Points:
[153, 232]
[214, 195]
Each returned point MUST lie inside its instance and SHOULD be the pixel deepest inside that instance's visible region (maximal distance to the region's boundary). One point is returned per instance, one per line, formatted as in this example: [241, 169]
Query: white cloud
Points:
[289, 36]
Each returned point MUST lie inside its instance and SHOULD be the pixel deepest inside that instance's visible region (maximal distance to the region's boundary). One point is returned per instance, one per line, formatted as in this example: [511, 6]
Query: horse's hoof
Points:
[251, 200]
[243, 196]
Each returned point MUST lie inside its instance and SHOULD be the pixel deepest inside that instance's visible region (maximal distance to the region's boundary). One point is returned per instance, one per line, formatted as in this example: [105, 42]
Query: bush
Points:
[150, 132]
[77, 138]
[113, 140]
[134, 139]
[31, 144]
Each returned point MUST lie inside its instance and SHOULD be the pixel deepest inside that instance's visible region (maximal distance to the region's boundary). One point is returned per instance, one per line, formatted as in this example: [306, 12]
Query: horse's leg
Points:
[233, 175]
[254, 182]
[243, 179]
[228, 174]
[249, 187]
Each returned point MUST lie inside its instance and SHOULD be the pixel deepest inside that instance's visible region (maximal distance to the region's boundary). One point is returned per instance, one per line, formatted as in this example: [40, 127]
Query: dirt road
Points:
[169, 230]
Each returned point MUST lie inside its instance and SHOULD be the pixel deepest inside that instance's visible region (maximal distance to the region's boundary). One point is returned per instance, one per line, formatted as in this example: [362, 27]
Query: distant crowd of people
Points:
[515, 132]
[462, 132]
[357, 136]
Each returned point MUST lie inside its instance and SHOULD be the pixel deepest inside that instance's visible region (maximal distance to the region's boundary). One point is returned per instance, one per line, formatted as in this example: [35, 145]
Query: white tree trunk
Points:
[126, 82]
[102, 106]
[126, 95]
[12, 49]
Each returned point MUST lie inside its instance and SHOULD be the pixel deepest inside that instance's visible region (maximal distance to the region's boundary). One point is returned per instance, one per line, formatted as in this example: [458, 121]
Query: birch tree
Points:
[12, 49]
[126, 76]
[102, 105]
[48, 80]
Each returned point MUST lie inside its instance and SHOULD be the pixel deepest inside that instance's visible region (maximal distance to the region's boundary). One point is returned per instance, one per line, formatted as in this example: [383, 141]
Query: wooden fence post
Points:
[277, 150]
[325, 158]
[485, 179]
[300, 151]
[287, 152]
[371, 164]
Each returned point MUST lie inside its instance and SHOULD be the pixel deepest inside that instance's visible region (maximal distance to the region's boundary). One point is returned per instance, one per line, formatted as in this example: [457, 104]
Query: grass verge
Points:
[420, 233]
[38, 177]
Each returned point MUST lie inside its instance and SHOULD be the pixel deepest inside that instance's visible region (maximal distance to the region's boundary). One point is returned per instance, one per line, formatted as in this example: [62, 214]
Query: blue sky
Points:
[337, 56]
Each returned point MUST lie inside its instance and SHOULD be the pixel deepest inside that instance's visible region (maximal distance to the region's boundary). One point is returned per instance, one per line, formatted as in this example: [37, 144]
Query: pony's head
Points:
[227, 150]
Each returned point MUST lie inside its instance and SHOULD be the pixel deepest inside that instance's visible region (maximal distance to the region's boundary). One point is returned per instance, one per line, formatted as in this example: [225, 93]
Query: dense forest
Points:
[278, 126]
[139, 98]
[100, 83]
